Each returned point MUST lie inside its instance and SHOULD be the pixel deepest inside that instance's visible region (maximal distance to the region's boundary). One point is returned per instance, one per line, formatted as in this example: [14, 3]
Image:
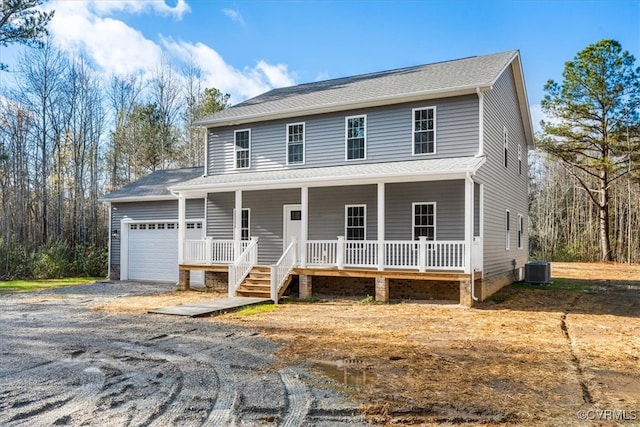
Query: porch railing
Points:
[242, 266]
[418, 255]
[280, 271]
[210, 251]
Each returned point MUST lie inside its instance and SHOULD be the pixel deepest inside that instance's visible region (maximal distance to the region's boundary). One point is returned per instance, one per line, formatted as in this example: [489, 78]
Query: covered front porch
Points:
[422, 220]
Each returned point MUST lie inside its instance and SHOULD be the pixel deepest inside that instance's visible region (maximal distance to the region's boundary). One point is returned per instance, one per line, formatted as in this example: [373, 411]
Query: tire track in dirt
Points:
[298, 398]
[587, 396]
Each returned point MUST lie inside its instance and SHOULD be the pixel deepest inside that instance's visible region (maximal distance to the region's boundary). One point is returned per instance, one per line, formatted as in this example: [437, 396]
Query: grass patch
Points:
[368, 300]
[256, 309]
[559, 284]
[38, 285]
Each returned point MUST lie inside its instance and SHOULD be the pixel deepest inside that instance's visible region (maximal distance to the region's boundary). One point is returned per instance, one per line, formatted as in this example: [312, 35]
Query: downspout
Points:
[470, 239]
[480, 122]
[109, 242]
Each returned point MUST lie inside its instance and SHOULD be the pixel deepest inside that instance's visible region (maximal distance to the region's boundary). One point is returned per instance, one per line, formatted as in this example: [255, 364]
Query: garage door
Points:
[153, 251]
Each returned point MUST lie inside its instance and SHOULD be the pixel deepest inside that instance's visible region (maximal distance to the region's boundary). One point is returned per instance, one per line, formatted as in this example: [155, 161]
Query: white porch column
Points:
[237, 227]
[468, 224]
[381, 225]
[304, 226]
[182, 227]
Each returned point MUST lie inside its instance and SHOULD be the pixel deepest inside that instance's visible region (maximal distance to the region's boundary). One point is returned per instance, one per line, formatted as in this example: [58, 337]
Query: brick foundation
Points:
[114, 272]
[465, 293]
[404, 289]
[305, 284]
[184, 281]
[382, 289]
[490, 285]
[342, 286]
[216, 281]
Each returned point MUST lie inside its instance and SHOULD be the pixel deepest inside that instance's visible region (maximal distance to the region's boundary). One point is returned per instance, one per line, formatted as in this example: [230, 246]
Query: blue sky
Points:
[247, 47]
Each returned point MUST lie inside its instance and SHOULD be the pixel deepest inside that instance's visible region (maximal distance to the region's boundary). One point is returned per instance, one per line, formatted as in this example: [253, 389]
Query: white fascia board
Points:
[138, 199]
[343, 106]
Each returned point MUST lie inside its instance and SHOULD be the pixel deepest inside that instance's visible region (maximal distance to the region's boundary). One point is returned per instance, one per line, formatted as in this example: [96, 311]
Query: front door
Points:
[292, 224]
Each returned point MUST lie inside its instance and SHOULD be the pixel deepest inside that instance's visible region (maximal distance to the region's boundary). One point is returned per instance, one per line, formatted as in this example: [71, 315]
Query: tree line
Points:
[67, 138]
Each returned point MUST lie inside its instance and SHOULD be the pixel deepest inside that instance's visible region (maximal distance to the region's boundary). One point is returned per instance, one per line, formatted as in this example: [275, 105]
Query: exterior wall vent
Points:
[537, 272]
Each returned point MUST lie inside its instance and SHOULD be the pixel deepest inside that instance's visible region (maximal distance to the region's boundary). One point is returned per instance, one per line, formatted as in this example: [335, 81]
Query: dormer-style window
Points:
[356, 137]
[295, 143]
[424, 130]
[242, 148]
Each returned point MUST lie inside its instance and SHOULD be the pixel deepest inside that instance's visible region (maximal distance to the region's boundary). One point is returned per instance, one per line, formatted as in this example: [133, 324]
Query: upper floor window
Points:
[356, 137]
[242, 148]
[505, 144]
[424, 130]
[424, 220]
[520, 159]
[295, 143]
[355, 222]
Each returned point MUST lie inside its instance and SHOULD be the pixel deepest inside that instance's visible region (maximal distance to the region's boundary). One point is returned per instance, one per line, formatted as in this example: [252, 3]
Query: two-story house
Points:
[409, 183]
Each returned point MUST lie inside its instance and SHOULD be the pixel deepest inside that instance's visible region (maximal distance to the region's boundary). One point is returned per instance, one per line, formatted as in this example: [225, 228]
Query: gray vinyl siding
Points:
[389, 136]
[149, 211]
[327, 210]
[448, 197]
[266, 218]
[504, 188]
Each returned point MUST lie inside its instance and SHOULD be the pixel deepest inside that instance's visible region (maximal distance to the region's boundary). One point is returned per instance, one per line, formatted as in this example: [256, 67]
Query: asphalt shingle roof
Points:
[333, 175]
[477, 71]
[154, 185]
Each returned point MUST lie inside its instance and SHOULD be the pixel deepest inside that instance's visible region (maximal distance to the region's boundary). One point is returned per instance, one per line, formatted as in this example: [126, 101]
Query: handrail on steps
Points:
[242, 266]
[280, 271]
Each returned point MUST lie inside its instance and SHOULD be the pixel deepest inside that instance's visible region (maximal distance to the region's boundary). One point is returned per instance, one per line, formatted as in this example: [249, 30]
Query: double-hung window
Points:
[355, 222]
[507, 230]
[520, 231]
[424, 130]
[505, 144]
[424, 220]
[356, 137]
[242, 148]
[295, 143]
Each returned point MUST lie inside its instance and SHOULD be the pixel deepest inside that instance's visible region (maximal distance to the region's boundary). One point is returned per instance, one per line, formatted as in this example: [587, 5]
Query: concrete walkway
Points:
[211, 308]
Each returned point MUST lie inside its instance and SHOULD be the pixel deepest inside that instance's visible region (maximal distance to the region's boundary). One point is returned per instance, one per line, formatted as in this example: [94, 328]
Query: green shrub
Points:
[51, 261]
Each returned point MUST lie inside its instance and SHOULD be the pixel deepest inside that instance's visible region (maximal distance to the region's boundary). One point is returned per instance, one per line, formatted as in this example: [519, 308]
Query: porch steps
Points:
[257, 284]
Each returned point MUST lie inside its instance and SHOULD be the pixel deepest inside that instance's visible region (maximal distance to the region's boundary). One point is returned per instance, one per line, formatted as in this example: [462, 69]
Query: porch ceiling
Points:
[354, 174]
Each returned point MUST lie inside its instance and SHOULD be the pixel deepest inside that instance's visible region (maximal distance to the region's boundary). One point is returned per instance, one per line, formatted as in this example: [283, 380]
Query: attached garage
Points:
[143, 226]
[152, 250]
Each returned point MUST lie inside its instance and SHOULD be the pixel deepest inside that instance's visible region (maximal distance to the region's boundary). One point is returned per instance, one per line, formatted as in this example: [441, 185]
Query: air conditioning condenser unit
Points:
[538, 272]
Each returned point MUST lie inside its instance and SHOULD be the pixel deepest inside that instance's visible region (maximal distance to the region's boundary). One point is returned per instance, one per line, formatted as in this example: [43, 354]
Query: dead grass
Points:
[144, 303]
[525, 357]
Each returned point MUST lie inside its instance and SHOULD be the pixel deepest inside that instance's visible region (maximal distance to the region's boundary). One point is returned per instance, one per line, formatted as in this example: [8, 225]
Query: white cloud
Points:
[234, 15]
[117, 48]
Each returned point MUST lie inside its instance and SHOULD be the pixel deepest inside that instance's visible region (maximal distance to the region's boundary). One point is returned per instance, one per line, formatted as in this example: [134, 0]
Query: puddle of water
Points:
[353, 375]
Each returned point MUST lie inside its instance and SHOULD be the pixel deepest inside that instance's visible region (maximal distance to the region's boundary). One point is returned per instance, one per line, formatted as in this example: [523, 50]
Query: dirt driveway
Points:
[64, 363]
[566, 354]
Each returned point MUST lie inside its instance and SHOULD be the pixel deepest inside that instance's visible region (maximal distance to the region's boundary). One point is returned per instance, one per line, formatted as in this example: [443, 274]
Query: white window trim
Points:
[236, 150]
[304, 143]
[413, 130]
[507, 229]
[520, 226]
[505, 145]
[346, 219]
[248, 221]
[519, 159]
[413, 218]
[346, 137]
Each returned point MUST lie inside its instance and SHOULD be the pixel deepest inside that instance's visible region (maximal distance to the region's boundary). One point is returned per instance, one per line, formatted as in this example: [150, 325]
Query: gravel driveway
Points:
[62, 363]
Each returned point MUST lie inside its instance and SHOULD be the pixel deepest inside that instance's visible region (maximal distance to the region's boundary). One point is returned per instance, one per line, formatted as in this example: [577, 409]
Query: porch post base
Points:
[305, 286]
[466, 299]
[382, 289]
[184, 281]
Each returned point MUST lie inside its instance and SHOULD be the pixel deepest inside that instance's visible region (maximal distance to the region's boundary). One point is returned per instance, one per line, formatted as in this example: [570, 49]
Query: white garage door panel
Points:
[153, 252]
